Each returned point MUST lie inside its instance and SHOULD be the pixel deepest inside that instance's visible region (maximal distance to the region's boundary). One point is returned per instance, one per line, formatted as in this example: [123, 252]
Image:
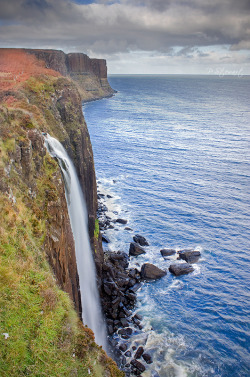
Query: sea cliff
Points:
[40, 332]
[90, 75]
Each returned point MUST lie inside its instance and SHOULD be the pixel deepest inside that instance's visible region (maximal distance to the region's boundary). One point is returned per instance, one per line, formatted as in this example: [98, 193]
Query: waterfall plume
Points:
[91, 308]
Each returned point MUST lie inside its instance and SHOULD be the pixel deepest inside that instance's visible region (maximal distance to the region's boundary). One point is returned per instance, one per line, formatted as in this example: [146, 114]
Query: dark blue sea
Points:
[174, 154]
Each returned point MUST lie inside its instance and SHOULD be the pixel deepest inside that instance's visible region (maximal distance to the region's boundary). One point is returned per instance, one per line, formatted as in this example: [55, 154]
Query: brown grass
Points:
[16, 66]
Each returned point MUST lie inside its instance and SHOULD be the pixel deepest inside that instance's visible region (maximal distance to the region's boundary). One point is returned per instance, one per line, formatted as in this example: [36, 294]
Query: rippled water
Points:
[174, 151]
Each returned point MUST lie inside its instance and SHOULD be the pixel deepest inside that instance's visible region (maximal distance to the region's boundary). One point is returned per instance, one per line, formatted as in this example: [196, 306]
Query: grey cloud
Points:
[120, 26]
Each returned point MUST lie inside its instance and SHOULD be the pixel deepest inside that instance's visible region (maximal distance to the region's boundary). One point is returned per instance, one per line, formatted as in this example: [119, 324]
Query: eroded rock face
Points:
[54, 59]
[89, 74]
[60, 246]
[78, 145]
[81, 63]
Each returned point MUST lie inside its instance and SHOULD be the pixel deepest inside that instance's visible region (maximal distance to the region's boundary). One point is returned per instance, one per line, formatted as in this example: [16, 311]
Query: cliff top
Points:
[16, 66]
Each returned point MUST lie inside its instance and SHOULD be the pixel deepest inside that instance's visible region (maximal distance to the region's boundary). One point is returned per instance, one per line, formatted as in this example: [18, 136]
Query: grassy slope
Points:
[45, 336]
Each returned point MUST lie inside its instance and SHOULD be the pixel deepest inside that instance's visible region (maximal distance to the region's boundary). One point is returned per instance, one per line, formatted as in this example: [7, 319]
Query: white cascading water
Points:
[91, 309]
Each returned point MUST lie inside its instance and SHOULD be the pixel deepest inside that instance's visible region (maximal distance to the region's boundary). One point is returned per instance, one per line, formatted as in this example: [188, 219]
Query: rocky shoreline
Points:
[120, 284]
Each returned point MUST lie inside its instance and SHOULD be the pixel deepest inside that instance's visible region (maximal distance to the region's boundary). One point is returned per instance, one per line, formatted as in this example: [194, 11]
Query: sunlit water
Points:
[174, 152]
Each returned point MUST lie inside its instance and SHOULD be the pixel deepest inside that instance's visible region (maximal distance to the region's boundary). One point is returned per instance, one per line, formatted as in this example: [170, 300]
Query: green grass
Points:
[45, 335]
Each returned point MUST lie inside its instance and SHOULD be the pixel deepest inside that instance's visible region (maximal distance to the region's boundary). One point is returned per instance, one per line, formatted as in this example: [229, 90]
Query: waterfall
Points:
[91, 308]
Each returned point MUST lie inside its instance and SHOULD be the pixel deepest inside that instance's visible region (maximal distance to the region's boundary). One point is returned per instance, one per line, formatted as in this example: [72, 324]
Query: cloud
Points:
[118, 27]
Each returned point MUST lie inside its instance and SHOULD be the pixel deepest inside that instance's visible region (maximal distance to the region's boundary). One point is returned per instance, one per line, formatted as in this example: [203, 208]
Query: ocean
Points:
[173, 151]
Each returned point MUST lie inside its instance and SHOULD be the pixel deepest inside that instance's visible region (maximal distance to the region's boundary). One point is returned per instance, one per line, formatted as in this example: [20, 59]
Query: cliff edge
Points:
[89, 74]
[40, 332]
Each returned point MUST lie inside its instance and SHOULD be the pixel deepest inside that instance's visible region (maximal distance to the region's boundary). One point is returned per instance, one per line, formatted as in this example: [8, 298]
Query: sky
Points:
[137, 36]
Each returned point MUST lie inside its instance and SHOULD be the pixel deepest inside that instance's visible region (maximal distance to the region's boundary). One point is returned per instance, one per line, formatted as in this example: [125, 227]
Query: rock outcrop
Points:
[89, 74]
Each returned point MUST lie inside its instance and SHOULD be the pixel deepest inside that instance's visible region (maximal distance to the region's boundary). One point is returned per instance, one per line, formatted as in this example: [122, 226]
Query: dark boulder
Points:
[124, 322]
[128, 228]
[140, 240]
[121, 221]
[190, 256]
[137, 365]
[181, 269]
[123, 347]
[147, 358]
[135, 249]
[126, 331]
[150, 271]
[167, 252]
[120, 257]
[139, 352]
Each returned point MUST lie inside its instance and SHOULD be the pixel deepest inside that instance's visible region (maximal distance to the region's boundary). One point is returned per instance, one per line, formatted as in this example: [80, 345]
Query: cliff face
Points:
[89, 74]
[36, 227]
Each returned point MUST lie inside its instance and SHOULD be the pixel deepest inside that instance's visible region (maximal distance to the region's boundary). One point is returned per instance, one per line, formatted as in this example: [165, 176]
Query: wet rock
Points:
[121, 221]
[113, 343]
[181, 269]
[190, 256]
[123, 347]
[147, 358]
[151, 272]
[109, 196]
[139, 352]
[132, 272]
[135, 288]
[124, 322]
[167, 252]
[140, 240]
[128, 228]
[128, 354]
[135, 249]
[110, 329]
[137, 322]
[120, 259]
[127, 331]
[131, 296]
[137, 365]
[138, 316]
[105, 238]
